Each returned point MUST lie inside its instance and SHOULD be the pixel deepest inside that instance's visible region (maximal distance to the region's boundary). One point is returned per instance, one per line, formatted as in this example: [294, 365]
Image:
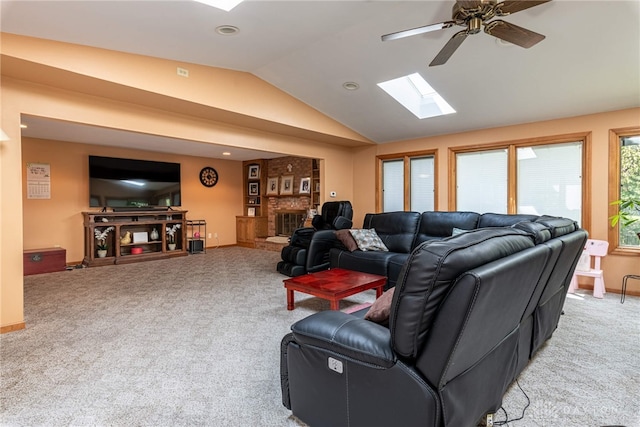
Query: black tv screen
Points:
[130, 183]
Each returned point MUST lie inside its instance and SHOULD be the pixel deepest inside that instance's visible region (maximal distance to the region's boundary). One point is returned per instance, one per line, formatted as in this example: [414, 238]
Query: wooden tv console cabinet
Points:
[141, 225]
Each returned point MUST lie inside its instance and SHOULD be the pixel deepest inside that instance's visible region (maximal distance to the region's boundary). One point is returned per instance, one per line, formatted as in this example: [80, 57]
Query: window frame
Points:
[406, 159]
[613, 234]
[512, 184]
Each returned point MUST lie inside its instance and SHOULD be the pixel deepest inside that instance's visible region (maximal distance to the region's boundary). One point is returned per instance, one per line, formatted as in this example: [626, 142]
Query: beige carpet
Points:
[195, 341]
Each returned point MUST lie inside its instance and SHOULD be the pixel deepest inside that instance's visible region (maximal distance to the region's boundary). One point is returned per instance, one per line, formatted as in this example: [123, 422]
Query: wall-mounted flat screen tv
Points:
[130, 184]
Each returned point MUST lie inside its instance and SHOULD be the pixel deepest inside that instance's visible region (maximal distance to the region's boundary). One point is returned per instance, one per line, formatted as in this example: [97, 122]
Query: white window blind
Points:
[392, 185]
[550, 180]
[481, 180]
[422, 184]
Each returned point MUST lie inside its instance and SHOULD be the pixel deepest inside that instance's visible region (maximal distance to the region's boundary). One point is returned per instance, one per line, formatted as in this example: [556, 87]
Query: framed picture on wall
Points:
[305, 185]
[254, 171]
[286, 186]
[254, 188]
[272, 186]
[251, 211]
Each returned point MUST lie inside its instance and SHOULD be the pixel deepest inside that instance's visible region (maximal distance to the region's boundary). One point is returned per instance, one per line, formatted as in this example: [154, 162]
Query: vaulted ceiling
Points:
[588, 63]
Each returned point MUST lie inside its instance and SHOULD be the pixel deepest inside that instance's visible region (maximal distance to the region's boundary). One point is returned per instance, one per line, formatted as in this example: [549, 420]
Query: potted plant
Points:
[171, 233]
[628, 213]
[101, 237]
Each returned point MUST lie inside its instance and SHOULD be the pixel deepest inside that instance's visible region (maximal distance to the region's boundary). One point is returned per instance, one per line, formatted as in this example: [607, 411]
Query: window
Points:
[482, 181]
[549, 180]
[422, 184]
[624, 184]
[407, 182]
[393, 185]
[540, 177]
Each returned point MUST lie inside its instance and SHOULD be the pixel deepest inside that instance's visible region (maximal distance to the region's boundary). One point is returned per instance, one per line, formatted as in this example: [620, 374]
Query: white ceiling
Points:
[588, 63]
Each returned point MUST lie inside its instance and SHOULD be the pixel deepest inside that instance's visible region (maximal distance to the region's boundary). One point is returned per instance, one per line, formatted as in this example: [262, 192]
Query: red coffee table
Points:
[333, 285]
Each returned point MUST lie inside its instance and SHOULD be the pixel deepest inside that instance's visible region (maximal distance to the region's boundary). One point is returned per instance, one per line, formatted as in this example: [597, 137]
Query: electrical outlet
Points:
[209, 236]
[215, 235]
[183, 72]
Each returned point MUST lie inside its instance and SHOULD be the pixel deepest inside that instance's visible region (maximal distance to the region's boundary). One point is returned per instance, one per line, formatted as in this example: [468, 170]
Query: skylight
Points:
[417, 96]
[225, 5]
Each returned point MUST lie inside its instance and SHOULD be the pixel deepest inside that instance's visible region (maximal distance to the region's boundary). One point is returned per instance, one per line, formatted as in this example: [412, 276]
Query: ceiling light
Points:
[227, 30]
[417, 96]
[225, 5]
[226, 153]
[23, 126]
[350, 85]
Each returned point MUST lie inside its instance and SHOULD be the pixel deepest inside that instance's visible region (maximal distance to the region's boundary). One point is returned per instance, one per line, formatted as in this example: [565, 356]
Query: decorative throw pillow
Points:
[368, 240]
[347, 240]
[381, 308]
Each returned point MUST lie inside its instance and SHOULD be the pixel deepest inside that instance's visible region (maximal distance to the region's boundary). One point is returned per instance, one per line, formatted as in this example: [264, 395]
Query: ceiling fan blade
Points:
[513, 33]
[508, 7]
[448, 49]
[418, 30]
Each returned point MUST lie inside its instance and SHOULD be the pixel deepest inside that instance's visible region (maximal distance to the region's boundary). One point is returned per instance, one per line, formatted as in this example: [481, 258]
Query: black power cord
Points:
[506, 421]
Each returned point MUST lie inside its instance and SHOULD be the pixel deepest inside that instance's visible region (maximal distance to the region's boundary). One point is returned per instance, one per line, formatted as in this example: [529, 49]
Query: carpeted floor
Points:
[194, 341]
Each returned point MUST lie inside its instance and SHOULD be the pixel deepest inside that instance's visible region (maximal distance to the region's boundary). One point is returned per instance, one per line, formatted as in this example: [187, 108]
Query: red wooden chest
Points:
[47, 260]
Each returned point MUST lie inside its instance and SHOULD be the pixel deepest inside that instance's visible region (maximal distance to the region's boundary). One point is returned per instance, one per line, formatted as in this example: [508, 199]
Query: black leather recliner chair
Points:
[297, 259]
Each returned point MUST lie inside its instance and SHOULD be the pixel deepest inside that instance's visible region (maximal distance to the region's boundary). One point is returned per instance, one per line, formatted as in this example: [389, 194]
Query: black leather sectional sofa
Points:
[402, 232]
[467, 315]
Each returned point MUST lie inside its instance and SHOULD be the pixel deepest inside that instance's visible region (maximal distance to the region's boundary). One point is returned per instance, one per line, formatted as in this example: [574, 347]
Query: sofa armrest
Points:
[348, 335]
[318, 252]
[301, 237]
[341, 223]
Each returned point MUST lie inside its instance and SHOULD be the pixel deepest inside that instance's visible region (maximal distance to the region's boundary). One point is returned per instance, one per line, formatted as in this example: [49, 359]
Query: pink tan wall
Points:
[615, 266]
[218, 206]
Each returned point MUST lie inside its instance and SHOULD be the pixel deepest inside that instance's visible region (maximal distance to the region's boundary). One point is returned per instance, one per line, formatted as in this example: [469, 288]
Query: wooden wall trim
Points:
[12, 328]
[511, 146]
[613, 233]
[406, 158]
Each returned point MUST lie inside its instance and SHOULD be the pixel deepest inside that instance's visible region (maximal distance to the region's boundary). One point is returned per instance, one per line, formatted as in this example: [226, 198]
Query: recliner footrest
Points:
[291, 270]
[294, 255]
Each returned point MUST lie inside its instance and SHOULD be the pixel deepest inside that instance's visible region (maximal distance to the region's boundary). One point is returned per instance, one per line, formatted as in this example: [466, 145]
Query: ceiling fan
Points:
[473, 14]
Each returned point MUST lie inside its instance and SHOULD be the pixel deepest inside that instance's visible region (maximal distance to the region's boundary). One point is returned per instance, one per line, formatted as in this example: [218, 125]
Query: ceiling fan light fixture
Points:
[227, 30]
[351, 85]
[473, 15]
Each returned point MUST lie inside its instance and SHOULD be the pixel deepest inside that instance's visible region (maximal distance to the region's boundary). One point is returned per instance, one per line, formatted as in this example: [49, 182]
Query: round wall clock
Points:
[208, 176]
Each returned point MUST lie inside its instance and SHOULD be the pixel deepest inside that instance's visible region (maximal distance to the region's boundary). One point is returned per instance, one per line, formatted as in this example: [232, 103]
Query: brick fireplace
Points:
[283, 209]
[292, 210]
